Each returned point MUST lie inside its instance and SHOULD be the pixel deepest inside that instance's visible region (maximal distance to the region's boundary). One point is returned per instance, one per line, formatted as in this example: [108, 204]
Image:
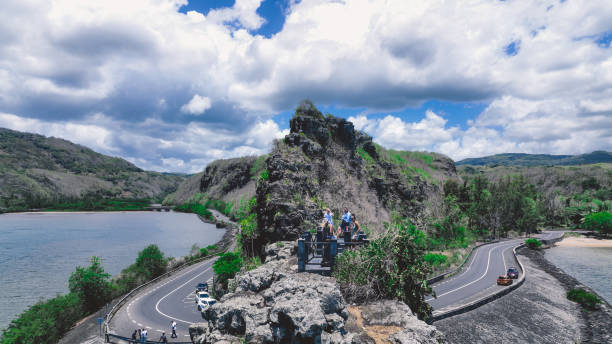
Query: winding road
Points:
[478, 278]
[173, 298]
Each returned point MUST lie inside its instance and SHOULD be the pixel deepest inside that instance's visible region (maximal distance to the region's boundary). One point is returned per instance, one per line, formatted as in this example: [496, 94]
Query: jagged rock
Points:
[241, 314]
[259, 279]
[280, 250]
[395, 313]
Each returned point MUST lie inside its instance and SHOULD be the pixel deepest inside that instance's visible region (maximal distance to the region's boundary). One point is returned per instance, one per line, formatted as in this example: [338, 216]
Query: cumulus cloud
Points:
[541, 66]
[197, 105]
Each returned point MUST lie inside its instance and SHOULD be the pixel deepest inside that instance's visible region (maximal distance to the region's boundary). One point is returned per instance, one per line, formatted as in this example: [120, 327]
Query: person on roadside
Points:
[143, 335]
[173, 328]
[163, 338]
[139, 335]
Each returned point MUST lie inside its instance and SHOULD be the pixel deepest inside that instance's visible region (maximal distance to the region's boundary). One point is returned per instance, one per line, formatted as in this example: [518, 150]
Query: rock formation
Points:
[274, 304]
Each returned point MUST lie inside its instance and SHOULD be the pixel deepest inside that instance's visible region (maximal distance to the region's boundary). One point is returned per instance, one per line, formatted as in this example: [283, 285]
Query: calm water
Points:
[591, 266]
[39, 251]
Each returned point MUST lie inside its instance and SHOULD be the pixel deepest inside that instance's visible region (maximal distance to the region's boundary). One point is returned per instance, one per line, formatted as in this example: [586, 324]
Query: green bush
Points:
[533, 243]
[227, 266]
[196, 208]
[264, 175]
[583, 297]
[45, 322]
[435, 259]
[151, 261]
[92, 285]
[600, 222]
[390, 267]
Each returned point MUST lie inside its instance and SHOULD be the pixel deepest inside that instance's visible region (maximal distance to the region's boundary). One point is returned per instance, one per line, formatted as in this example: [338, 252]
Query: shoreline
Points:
[77, 212]
[583, 241]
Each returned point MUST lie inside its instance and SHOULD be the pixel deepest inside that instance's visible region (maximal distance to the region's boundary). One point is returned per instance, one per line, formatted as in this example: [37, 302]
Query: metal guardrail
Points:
[453, 272]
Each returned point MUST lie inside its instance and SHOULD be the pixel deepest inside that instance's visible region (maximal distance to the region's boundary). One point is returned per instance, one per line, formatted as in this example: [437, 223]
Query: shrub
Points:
[227, 266]
[45, 322]
[533, 243]
[583, 297]
[391, 266]
[92, 285]
[196, 208]
[264, 175]
[435, 259]
[600, 222]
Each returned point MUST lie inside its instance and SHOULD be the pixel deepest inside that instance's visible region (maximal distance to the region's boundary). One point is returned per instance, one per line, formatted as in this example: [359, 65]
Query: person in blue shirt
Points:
[346, 220]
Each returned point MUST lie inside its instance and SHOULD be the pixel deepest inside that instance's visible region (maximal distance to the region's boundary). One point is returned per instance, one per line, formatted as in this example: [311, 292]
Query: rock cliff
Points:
[274, 304]
[324, 162]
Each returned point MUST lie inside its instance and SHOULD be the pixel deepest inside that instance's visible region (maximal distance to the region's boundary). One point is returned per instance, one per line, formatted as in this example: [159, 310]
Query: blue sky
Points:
[171, 85]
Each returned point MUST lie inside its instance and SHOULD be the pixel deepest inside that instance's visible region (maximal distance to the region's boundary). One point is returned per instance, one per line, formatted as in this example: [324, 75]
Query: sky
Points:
[172, 85]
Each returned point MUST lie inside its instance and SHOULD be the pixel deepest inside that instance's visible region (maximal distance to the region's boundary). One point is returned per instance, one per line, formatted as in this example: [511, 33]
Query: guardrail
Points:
[494, 296]
[453, 272]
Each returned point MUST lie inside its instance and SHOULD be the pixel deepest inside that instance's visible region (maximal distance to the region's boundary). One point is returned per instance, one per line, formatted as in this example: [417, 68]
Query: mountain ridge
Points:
[524, 159]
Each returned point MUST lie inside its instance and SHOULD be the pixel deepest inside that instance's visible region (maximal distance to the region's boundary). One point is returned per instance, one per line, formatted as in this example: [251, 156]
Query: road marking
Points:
[172, 291]
[481, 277]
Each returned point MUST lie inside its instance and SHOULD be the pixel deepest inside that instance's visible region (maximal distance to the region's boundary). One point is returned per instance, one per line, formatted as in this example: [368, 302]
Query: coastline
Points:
[583, 241]
[76, 212]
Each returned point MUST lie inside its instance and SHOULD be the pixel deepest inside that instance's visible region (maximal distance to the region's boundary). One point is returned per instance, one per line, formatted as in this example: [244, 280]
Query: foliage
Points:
[252, 263]
[533, 243]
[151, 261]
[391, 266]
[365, 156]
[45, 322]
[435, 259]
[196, 208]
[264, 175]
[226, 266]
[258, 166]
[206, 251]
[584, 298]
[92, 285]
[601, 222]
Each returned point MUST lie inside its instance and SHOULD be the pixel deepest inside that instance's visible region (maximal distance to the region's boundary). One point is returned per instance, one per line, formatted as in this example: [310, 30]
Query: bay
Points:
[39, 251]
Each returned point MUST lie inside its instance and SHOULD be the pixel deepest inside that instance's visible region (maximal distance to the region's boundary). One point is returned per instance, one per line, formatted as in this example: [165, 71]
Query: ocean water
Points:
[591, 266]
[38, 252]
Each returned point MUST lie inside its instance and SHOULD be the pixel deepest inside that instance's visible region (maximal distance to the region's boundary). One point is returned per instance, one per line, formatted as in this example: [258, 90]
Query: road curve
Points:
[171, 299]
[479, 276]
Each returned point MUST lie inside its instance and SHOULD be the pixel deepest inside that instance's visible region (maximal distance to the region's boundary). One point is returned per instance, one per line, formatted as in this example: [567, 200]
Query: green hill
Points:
[521, 159]
[38, 171]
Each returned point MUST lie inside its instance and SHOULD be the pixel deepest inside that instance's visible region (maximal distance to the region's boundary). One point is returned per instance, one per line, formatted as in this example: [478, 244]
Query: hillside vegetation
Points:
[520, 159]
[38, 172]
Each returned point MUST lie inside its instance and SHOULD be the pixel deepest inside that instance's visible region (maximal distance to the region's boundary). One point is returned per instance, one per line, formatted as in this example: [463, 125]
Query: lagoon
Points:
[39, 251]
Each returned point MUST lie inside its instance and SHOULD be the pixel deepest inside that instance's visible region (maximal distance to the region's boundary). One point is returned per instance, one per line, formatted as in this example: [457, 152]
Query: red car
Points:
[504, 280]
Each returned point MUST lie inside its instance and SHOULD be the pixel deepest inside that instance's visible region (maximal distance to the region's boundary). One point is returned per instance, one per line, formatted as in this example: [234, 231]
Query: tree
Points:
[151, 261]
[226, 266]
[92, 285]
[601, 222]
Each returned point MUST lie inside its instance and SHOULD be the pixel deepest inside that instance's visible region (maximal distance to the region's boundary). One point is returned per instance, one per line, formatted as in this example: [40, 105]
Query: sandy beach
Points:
[584, 242]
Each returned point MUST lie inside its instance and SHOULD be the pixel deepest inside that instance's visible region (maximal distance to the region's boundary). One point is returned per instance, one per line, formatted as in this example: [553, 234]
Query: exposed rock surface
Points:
[274, 304]
[325, 162]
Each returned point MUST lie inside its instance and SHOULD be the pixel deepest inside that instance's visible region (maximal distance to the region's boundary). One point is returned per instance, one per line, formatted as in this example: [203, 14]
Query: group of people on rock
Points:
[140, 335]
[345, 229]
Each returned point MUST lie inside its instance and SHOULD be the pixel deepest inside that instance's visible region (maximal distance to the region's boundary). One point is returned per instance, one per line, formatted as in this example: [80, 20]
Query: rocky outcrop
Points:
[274, 304]
[324, 162]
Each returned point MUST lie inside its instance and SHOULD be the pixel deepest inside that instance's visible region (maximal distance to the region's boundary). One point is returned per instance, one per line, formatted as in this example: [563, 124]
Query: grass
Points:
[584, 298]
[365, 156]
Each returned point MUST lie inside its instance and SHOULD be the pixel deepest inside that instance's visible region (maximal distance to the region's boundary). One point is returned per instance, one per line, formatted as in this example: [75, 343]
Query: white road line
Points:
[172, 291]
[465, 285]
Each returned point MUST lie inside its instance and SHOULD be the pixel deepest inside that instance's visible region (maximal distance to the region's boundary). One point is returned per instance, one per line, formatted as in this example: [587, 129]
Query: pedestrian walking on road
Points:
[143, 338]
[163, 338]
[134, 336]
[139, 335]
[173, 328]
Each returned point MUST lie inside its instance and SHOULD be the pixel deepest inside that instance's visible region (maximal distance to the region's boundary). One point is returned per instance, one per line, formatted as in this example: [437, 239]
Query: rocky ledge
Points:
[275, 304]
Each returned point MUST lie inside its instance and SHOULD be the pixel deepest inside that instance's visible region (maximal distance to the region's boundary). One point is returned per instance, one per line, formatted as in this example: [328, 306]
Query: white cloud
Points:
[197, 105]
[142, 60]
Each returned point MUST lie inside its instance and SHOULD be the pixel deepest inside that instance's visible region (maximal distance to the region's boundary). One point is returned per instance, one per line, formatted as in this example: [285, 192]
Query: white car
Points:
[203, 304]
[201, 295]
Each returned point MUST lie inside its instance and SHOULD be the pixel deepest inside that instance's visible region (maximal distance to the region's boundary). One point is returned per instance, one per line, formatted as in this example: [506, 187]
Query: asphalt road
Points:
[479, 275]
[173, 299]
[158, 305]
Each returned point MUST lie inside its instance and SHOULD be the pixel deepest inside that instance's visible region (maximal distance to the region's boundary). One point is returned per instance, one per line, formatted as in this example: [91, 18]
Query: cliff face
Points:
[230, 180]
[325, 162]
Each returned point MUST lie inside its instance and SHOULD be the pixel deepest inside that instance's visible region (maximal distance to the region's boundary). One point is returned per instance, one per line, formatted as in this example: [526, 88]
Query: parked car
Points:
[201, 287]
[203, 304]
[504, 280]
[513, 272]
[201, 295]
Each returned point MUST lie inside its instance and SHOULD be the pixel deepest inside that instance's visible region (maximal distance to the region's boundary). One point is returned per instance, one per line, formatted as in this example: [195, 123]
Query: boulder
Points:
[241, 314]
